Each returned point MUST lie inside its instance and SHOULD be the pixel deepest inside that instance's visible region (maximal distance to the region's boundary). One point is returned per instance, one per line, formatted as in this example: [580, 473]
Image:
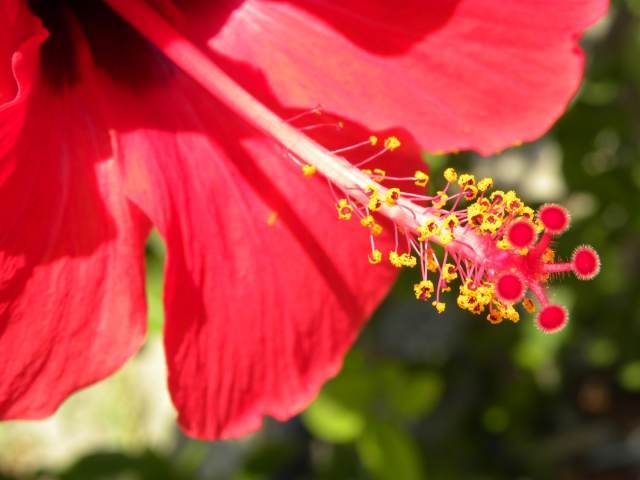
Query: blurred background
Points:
[422, 396]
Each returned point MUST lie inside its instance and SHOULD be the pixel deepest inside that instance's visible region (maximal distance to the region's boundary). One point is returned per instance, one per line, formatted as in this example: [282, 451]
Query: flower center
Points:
[115, 46]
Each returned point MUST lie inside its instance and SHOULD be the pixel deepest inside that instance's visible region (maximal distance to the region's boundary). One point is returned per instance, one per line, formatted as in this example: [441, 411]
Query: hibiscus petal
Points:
[265, 288]
[20, 39]
[469, 74]
[72, 304]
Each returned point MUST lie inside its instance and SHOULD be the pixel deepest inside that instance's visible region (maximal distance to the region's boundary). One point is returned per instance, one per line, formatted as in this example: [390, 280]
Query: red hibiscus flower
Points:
[102, 136]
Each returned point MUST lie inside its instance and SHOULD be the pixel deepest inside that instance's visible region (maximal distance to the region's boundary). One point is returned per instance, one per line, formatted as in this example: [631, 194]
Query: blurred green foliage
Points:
[451, 398]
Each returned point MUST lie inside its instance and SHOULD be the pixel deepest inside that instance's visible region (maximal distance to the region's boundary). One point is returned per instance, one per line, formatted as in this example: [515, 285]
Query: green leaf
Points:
[629, 376]
[413, 394]
[389, 453]
[330, 420]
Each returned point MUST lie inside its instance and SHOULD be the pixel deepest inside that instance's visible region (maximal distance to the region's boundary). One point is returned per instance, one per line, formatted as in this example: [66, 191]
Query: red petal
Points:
[72, 304]
[20, 38]
[475, 74]
[266, 289]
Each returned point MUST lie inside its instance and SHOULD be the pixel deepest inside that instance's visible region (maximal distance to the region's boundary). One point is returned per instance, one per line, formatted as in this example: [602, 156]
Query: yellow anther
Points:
[367, 221]
[309, 170]
[490, 287]
[446, 237]
[421, 178]
[512, 314]
[466, 179]
[474, 307]
[371, 189]
[528, 213]
[404, 260]
[432, 265]
[440, 307]
[494, 317]
[428, 230]
[373, 140]
[528, 305]
[490, 223]
[392, 143]
[345, 210]
[475, 297]
[498, 306]
[375, 257]
[469, 287]
[272, 218]
[449, 272]
[423, 290]
[467, 303]
[424, 234]
[340, 124]
[408, 260]
[394, 259]
[440, 199]
[477, 308]
[515, 206]
[475, 214]
[485, 184]
[450, 175]
[503, 244]
[504, 311]
[512, 203]
[510, 195]
[391, 196]
[470, 192]
[463, 301]
[451, 221]
[548, 256]
[464, 292]
[484, 204]
[472, 304]
[378, 174]
[375, 203]
[484, 293]
[370, 223]
[497, 197]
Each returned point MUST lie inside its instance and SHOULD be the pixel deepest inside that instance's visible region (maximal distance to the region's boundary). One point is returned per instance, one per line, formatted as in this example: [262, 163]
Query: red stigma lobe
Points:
[554, 218]
[585, 262]
[552, 318]
[521, 234]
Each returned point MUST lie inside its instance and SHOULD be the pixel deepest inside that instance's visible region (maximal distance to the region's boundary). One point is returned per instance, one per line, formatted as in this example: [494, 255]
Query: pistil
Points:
[491, 242]
[186, 55]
